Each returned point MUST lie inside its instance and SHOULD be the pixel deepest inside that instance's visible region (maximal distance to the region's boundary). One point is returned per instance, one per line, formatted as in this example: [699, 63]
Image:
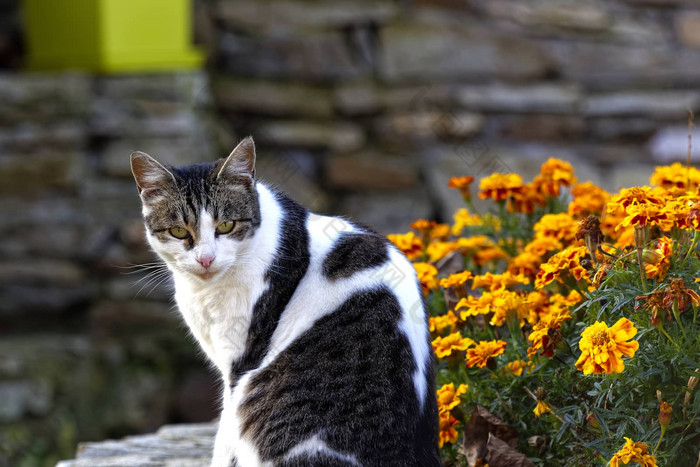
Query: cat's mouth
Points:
[205, 275]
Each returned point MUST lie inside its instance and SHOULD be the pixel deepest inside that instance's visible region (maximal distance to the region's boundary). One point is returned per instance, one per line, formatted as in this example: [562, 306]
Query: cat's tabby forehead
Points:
[197, 188]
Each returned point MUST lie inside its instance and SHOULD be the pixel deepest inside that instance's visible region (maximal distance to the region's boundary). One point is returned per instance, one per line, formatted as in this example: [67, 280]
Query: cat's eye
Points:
[179, 232]
[225, 227]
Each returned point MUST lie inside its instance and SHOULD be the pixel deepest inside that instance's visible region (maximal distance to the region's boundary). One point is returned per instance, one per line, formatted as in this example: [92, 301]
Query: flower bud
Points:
[693, 381]
[592, 420]
[640, 236]
[665, 410]
[659, 396]
[651, 256]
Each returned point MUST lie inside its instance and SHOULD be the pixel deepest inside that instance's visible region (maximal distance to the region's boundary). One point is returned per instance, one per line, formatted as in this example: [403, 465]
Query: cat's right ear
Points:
[150, 175]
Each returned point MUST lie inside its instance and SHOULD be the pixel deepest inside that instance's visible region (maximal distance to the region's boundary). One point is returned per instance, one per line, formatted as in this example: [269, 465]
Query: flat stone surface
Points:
[171, 446]
[371, 171]
[662, 104]
[687, 27]
[551, 98]
[336, 136]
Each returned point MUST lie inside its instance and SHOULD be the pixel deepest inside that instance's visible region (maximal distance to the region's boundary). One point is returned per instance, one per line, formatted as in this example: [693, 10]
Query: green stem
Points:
[663, 331]
[696, 237]
[642, 271]
[663, 432]
[677, 316]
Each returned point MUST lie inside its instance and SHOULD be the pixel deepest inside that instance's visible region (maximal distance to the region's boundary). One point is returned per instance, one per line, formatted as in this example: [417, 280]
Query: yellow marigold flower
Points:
[499, 186]
[525, 264]
[483, 351]
[443, 346]
[541, 408]
[602, 347]
[463, 218]
[422, 224]
[459, 278]
[589, 199]
[448, 433]
[437, 324]
[462, 184]
[676, 175]
[427, 276]
[470, 244]
[634, 195]
[633, 452]
[642, 214]
[448, 396]
[554, 174]
[438, 250]
[472, 306]
[507, 304]
[498, 282]
[409, 244]
[545, 335]
[561, 226]
[515, 368]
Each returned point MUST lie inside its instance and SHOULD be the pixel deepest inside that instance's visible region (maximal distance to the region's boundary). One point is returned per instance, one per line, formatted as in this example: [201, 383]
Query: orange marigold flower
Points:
[678, 295]
[658, 260]
[462, 184]
[525, 264]
[633, 452]
[568, 259]
[642, 214]
[448, 396]
[526, 200]
[498, 282]
[448, 433]
[443, 346]
[422, 224]
[676, 175]
[541, 408]
[499, 186]
[483, 351]
[589, 199]
[602, 347]
[488, 254]
[554, 174]
[634, 195]
[437, 324]
[427, 276]
[540, 246]
[665, 410]
[561, 226]
[409, 244]
[694, 216]
[515, 368]
[545, 336]
[440, 232]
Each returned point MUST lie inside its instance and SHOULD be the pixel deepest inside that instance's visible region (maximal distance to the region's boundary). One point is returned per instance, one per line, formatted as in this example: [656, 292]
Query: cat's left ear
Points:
[241, 161]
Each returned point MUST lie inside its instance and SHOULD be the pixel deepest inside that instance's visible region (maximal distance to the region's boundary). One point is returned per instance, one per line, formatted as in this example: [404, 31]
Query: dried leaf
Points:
[477, 431]
[501, 454]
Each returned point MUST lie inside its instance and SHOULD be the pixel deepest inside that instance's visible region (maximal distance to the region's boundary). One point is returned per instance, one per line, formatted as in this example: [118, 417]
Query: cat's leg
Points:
[224, 455]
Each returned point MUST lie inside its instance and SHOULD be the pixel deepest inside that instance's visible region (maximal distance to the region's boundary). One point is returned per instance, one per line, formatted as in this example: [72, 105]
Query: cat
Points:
[316, 324]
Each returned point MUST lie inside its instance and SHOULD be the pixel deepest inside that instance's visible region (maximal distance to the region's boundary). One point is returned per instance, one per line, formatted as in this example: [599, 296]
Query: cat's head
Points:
[200, 218]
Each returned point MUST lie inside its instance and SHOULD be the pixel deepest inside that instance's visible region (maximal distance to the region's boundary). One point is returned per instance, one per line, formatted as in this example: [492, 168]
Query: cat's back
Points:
[348, 373]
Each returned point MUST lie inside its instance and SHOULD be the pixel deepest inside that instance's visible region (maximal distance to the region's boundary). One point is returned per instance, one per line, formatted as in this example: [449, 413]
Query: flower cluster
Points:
[564, 286]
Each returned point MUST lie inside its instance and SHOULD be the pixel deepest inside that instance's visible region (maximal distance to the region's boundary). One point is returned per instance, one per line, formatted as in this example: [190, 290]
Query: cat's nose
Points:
[206, 260]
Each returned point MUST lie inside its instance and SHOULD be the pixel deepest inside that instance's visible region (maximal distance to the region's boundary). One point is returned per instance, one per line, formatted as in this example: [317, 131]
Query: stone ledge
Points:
[171, 446]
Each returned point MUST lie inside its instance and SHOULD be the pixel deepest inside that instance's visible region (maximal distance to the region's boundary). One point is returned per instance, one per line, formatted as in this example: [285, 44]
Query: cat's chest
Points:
[219, 318]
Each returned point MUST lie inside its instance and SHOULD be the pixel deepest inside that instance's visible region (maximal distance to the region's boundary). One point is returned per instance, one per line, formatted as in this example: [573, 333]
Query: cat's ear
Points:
[241, 161]
[149, 173]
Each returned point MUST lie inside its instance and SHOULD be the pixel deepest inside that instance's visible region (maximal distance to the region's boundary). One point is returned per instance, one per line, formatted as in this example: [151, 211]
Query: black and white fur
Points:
[317, 325]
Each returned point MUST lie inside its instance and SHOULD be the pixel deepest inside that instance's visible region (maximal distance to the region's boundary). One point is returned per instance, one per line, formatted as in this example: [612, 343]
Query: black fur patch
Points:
[284, 275]
[348, 380]
[354, 252]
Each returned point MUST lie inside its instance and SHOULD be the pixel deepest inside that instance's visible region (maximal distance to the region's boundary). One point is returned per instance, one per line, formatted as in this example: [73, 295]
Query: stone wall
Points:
[90, 346]
[379, 102]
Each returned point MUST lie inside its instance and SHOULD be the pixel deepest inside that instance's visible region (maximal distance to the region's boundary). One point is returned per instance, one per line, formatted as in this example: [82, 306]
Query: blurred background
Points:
[361, 108]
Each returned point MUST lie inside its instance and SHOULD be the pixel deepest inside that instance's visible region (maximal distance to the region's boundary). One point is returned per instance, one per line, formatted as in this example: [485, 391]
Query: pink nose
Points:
[205, 261]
